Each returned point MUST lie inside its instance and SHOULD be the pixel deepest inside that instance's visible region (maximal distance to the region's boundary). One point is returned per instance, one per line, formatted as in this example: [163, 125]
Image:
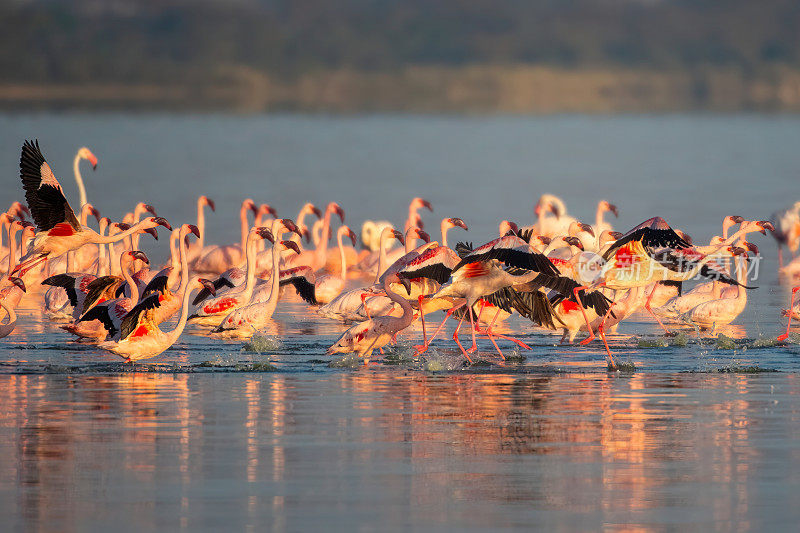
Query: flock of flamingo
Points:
[559, 273]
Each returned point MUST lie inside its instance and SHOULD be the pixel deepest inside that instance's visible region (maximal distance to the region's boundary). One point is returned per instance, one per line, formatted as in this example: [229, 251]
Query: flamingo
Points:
[318, 258]
[601, 225]
[414, 218]
[107, 315]
[730, 304]
[307, 209]
[83, 153]
[787, 230]
[244, 321]
[329, 287]
[8, 327]
[198, 248]
[220, 258]
[140, 338]
[211, 312]
[376, 332]
[162, 283]
[59, 229]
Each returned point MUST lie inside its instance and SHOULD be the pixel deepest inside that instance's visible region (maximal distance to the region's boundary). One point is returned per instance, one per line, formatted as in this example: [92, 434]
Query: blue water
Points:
[276, 434]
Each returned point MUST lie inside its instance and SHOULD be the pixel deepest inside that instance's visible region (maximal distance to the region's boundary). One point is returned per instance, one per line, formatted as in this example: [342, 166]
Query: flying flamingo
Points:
[59, 229]
[139, 337]
[376, 332]
[220, 258]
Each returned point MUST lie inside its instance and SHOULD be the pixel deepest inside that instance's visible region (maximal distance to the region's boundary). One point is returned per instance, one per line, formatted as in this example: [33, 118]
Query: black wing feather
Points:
[100, 312]
[437, 272]
[157, 285]
[47, 203]
[204, 293]
[303, 287]
[95, 290]
[131, 320]
[66, 282]
[533, 261]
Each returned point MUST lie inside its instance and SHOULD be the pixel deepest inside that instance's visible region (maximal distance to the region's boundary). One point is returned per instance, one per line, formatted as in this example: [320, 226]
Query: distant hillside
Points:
[263, 54]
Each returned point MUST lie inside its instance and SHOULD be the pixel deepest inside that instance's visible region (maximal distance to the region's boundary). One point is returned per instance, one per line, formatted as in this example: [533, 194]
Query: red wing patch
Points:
[567, 306]
[85, 281]
[62, 229]
[141, 331]
[558, 262]
[474, 270]
[222, 305]
[626, 257]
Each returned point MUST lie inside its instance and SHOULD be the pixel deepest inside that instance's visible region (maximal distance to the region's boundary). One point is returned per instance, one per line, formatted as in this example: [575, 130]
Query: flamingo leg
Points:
[475, 325]
[455, 336]
[23, 268]
[791, 312]
[491, 337]
[611, 364]
[421, 349]
[422, 318]
[590, 338]
[364, 305]
[650, 310]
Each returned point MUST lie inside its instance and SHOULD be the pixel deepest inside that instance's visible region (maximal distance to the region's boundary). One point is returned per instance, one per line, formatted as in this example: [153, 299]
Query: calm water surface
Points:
[216, 434]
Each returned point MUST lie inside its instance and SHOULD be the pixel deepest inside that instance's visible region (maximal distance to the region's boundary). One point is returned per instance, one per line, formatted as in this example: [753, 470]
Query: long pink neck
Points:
[244, 226]
[124, 265]
[382, 258]
[399, 323]
[12, 248]
[201, 224]
[339, 235]
[322, 245]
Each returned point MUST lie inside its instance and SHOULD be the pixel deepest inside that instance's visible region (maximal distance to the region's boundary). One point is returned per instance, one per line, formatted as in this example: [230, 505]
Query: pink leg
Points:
[791, 312]
[455, 336]
[611, 364]
[422, 319]
[475, 325]
[421, 349]
[590, 338]
[488, 332]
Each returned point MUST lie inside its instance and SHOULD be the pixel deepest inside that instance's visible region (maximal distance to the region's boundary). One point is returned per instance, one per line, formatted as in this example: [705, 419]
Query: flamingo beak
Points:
[587, 228]
[735, 250]
[458, 223]
[291, 245]
[399, 236]
[617, 235]
[251, 205]
[306, 234]
[210, 203]
[352, 236]
[18, 282]
[544, 240]
[208, 285]
[339, 211]
[161, 221]
[736, 219]
[291, 226]
[270, 210]
[194, 229]
[751, 247]
[426, 204]
[151, 231]
[150, 209]
[765, 225]
[406, 283]
[124, 226]
[92, 159]
[613, 209]
[265, 233]
[315, 210]
[95, 213]
[574, 241]
[136, 254]
[423, 235]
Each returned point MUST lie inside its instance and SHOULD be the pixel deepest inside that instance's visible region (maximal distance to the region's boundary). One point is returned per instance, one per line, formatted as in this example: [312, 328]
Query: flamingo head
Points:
[18, 209]
[419, 203]
[251, 205]
[148, 208]
[206, 284]
[264, 233]
[336, 208]
[306, 234]
[736, 250]
[765, 225]
[751, 247]
[585, 227]
[314, 210]
[18, 282]
[289, 225]
[507, 227]
[266, 209]
[457, 223]
[399, 236]
[190, 228]
[290, 245]
[544, 241]
[205, 200]
[85, 153]
[685, 236]
[350, 233]
[608, 206]
[136, 254]
[90, 209]
[422, 234]
[104, 222]
[574, 241]
[161, 221]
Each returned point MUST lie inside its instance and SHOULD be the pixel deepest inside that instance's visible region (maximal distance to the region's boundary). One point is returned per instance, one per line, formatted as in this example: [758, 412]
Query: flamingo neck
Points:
[445, 226]
[12, 314]
[126, 274]
[250, 282]
[111, 239]
[322, 245]
[175, 257]
[341, 254]
[76, 168]
[275, 287]
[244, 227]
[184, 265]
[101, 254]
[408, 313]
[12, 248]
[411, 242]
[382, 259]
[173, 335]
[201, 224]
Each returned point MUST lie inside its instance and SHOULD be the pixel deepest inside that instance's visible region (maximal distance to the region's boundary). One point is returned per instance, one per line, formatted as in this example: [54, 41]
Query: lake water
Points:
[273, 433]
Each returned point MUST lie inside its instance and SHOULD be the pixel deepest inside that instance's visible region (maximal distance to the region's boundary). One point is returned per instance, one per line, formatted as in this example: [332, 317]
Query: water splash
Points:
[262, 343]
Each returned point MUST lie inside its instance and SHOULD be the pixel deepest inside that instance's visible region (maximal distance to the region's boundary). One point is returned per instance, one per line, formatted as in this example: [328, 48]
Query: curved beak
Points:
[268, 209]
[315, 210]
[587, 228]
[426, 204]
[613, 209]
[423, 235]
[544, 240]
[151, 231]
[291, 226]
[136, 254]
[92, 159]
[736, 219]
[95, 213]
[458, 223]
[751, 247]
[765, 225]
[735, 250]
[399, 236]
[18, 282]
[194, 229]
[150, 209]
[616, 235]
[291, 245]
[208, 285]
[251, 205]
[305, 233]
[574, 241]
[124, 226]
[352, 235]
[161, 221]
[265, 233]
[406, 283]
[210, 203]
[339, 211]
